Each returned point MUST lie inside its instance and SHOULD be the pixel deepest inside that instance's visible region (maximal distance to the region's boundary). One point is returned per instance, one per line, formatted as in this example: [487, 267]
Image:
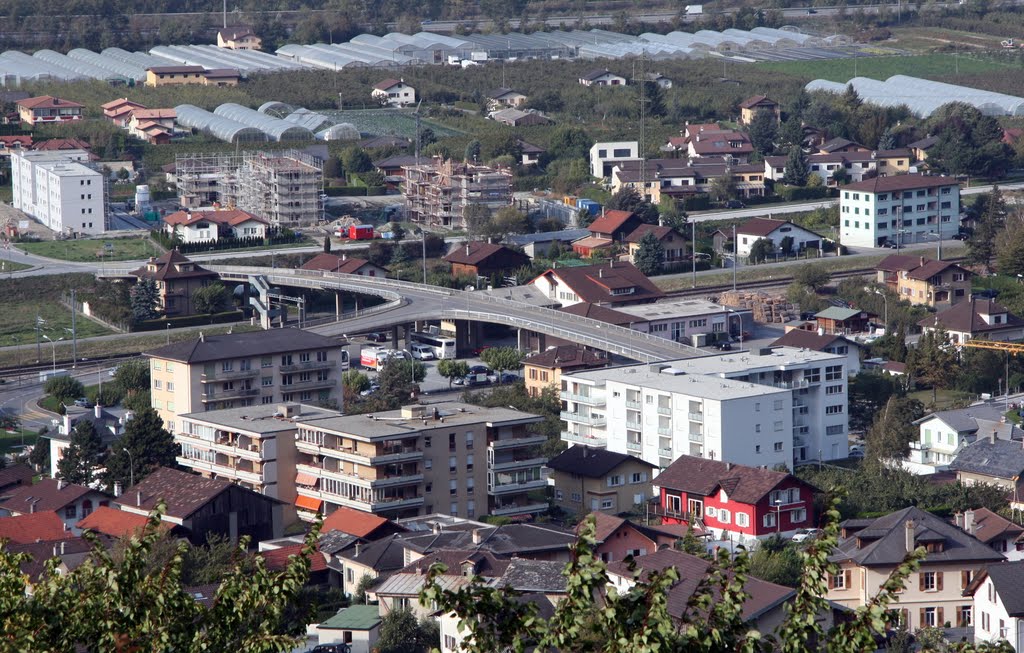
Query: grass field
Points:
[12, 441]
[123, 249]
[923, 65]
[761, 273]
[17, 320]
[12, 266]
[944, 399]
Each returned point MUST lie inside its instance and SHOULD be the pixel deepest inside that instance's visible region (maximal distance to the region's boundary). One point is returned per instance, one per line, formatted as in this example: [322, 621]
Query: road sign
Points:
[108, 246]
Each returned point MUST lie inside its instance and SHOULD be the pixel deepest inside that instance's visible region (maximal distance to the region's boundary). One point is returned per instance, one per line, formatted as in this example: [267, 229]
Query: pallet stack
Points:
[767, 308]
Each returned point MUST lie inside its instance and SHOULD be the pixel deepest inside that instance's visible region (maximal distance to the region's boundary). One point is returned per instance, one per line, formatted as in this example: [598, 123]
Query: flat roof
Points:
[681, 308]
[263, 419]
[672, 379]
[68, 169]
[393, 423]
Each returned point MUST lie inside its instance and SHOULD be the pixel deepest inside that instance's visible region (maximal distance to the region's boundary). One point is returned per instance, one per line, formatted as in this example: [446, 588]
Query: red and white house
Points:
[734, 502]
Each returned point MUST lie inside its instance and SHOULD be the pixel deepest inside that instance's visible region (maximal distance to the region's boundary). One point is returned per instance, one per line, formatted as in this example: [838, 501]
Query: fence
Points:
[86, 310]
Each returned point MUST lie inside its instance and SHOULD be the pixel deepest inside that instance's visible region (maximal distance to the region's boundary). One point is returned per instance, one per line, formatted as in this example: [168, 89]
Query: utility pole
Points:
[74, 331]
[735, 257]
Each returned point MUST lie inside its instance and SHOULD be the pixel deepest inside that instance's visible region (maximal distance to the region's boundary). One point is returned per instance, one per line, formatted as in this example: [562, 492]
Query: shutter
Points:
[920, 582]
[959, 617]
[939, 619]
[964, 580]
[938, 581]
[831, 582]
[849, 579]
[921, 623]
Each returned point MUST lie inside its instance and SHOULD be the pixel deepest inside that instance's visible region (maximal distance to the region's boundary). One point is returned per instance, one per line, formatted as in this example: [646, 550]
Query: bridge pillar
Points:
[394, 337]
[337, 305]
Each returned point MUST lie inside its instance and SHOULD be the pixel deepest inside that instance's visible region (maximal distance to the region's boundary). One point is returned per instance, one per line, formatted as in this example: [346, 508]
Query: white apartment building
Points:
[901, 209]
[763, 408]
[56, 188]
[605, 156]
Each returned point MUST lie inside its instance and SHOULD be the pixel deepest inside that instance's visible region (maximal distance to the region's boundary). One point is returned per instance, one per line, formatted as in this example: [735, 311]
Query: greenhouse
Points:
[121, 68]
[344, 131]
[307, 119]
[83, 68]
[275, 128]
[924, 96]
[225, 129]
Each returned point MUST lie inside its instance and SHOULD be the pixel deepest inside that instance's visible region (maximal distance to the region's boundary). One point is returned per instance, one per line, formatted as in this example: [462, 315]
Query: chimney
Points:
[728, 466]
[97, 410]
[202, 338]
[62, 548]
[138, 499]
[600, 273]
[437, 528]
[909, 534]
[992, 437]
[359, 548]
[478, 535]
[60, 484]
[467, 249]
[118, 489]
[821, 331]
[922, 260]
[969, 521]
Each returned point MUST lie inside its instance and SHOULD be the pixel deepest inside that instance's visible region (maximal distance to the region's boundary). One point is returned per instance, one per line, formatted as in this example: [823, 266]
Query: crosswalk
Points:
[32, 416]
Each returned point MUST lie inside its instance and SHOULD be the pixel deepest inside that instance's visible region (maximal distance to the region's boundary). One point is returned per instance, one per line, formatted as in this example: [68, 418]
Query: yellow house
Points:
[171, 75]
[893, 162]
[239, 37]
[754, 105]
[925, 282]
[870, 549]
[596, 480]
[545, 369]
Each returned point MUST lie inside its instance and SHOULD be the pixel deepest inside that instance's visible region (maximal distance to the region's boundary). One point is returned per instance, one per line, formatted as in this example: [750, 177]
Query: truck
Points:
[694, 10]
[52, 374]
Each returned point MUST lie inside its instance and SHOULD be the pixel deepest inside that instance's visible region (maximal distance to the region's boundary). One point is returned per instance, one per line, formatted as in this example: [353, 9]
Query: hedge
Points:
[796, 193]
[190, 320]
[345, 191]
[225, 243]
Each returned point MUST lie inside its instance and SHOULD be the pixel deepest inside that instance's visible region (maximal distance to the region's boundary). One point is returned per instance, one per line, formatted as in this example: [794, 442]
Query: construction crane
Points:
[1009, 347]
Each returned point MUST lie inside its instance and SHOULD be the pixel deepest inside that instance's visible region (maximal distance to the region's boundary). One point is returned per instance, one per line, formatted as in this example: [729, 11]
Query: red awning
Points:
[305, 478]
[308, 503]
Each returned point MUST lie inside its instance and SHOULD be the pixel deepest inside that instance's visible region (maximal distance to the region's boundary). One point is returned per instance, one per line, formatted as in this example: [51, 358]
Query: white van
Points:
[422, 352]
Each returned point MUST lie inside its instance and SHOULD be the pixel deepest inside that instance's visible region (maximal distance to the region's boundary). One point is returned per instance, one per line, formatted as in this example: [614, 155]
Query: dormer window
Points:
[623, 291]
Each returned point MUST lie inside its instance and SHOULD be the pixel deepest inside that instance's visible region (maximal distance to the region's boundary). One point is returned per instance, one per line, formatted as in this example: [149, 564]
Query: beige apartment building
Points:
[870, 549]
[252, 446]
[451, 458]
[236, 370]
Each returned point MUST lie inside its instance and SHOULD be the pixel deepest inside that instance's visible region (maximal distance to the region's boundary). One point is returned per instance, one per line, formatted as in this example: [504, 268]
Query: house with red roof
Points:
[277, 559]
[112, 522]
[611, 227]
[152, 125]
[45, 109]
[976, 318]
[393, 93]
[10, 144]
[752, 106]
[775, 231]
[364, 525]
[13, 476]
[924, 281]
[119, 111]
[733, 502]
[480, 259]
[212, 225]
[618, 537]
[344, 264]
[615, 283]
[33, 527]
[731, 146]
[70, 502]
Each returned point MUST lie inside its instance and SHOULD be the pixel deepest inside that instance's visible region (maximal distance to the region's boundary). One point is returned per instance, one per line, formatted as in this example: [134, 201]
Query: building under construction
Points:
[285, 188]
[438, 193]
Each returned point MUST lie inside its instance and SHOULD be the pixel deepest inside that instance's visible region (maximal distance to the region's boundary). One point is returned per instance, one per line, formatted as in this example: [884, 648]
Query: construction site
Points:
[285, 188]
[439, 193]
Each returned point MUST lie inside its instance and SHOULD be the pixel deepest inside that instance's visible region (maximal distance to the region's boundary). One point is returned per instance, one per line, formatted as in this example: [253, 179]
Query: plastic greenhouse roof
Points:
[310, 120]
[81, 67]
[924, 96]
[275, 128]
[217, 126]
[345, 131]
[122, 68]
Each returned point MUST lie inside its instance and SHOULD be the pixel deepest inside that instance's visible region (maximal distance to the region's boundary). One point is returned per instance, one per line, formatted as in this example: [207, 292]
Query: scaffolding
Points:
[285, 188]
[438, 193]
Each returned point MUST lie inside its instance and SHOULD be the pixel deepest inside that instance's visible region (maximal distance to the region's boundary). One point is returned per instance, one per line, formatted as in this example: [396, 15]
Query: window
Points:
[470, 485]
[742, 519]
[266, 361]
[838, 581]
[986, 623]
[559, 495]
[928, 619]
[453, 510]
[426, 441]
[469, 440]
[964, 616]
[833, 372]
[798, 516]
[834, 390]
[453, 487]
[227, 366]
[835, 429]
[616, 480]
[768, 520]
[813, 375]
[469, 462]
[834, 410]
[170, 386]
[778, 446]
[286, 359]
[451, 442]
[778, 404]
[778, 426]
[607, 504]
[428, 463]
[71, 512]
[711, 511]
[304, 357]
[927, 582]
[638, 477]
[452, 464]
[158, 384]
[577, 497]
[267, 381]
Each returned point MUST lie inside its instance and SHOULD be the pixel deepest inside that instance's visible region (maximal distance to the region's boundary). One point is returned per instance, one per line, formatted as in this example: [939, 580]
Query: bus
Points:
[444, 346]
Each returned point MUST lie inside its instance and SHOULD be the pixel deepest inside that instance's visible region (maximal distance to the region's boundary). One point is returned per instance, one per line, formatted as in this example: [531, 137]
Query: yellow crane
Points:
[1009, 347]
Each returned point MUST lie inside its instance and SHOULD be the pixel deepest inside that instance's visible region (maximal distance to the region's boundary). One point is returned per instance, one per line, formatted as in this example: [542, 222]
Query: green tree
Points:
[397, 232]
[628, 199]
[473, 151]
[40, 456]
[650, 255]
[869, 393]
[452, 369]
[144, 446]
[333, 168]
[763, 131]
[505, 221]
[969, 142]
[355, 381]
[501, 359]
[990, 222]
[761, 250]
[777, 561]
[211, 299]
[893, 430]
[813, 277]
[398, 379]
[401, 633]
[934, 361]
[791, 134]
[723, 187]
[796, 172]
[478, 220]
[888, 139]
[327, 243]
[569, 143]
[356, 160]
[64, 388]
[1010, 248]
[120, 603]
[132, 376]
[138, 400]
[83, 455]
[807, 300]
[144, 300]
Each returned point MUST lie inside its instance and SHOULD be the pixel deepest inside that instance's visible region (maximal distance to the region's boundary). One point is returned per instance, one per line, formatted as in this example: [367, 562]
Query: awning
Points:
[305, 478]
[308, 503]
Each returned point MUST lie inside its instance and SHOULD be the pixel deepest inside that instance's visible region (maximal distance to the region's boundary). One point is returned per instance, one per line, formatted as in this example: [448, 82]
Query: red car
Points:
[479, 350]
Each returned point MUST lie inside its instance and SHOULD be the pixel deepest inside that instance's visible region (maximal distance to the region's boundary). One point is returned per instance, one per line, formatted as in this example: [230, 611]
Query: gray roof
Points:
[242, 345]
[534, 576]
[1008, 579]
[333, 541]
[262, 419]
[839, 313]
[393, 422]
[884, 541]
[382, 556]
[965, 420]
[565, 235]
[506, 540]
[998, 459]
[591, 463]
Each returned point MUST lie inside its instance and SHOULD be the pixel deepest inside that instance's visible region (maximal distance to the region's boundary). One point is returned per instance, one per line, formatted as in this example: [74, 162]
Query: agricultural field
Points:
[933, 66]
[122, 249]
[18, 318]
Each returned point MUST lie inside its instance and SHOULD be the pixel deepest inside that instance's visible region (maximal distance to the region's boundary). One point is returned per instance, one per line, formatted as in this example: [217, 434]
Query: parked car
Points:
[479, 369]
[374, 387]
[960, 236]
[891, 244]
[735, 204]
[331, 648]
[804, 534]
[723, 346]
[82, 402]
[481, 349]
[377, 337]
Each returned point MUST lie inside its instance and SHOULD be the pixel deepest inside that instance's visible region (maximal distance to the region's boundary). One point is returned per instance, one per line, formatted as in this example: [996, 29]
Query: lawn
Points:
[122, 249]
[18, 317]
[12, 266]
[683, 280]
[934, 66]
[12, 441]
[944, 399]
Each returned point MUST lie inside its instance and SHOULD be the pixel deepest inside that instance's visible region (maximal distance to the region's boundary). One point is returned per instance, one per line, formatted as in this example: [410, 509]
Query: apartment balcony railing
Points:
[589, 440]
[593, 420]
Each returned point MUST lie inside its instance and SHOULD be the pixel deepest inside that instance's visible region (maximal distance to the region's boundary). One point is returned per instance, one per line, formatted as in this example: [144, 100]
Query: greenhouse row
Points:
[273, 121]
[923, 96]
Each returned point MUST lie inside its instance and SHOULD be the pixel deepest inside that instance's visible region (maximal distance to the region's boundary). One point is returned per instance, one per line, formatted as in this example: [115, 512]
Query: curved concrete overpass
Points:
[408, 302]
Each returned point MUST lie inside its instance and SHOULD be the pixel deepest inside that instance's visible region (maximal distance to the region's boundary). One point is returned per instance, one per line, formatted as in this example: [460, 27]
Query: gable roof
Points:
[965, 420]
[167, 267]
[916, 267]
[591, 463]
[610, 221]
[383, 556]
[598, 312]
[386, 84]
[113, 522]
[234, 345]
[764, 226]
[1008, 579]
[659, 232]
[883, 542]
[279, 558]
[72, 552]
[702, 476]
[230, 217]
[997, 459]
[183, 493]
[121, 102]
[354, 617]
[965, 317]
[989, 525]
[899, 183]
[924, 143]
[334, 263]
[154, 114]
[60, 144]
[838, 313]
[354, 522]
[504, 540]
[47, 101]
[598, 73]
[175, 70]
[755, 100]
[48, 495]
[235, 32]
[595, 283]
[477, 252]
[837, 144]
[33, 527]
[565, 357]
[18, 474]
[805, 339]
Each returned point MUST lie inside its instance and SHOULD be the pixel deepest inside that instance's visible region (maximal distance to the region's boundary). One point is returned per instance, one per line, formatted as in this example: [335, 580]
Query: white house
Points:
[999, 604]
[984, 318]
[394, 92]
[831, 343]
[605, 156]
[602, 77]
[59, 190]
[108, 425]
[901, 209]
[942, 434]
[776, 231]
[210, 226]
[357, 625]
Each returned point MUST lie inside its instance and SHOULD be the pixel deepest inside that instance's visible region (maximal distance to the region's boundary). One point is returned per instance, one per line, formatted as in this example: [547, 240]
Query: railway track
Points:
[99, 361]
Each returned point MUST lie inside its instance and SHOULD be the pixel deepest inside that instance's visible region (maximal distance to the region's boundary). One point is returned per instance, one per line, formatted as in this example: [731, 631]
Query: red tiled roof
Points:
[701, 476]
[353, 522]
[476, 252]
[61, 144]
[334, 263]
[47, 495]
[278, 558]
[659, 232]
[565, 357]
[154, 114]
[763, 226]
[34, 527]
[231, 217]
[386, 84]
[965, 317]
[899, 183]
[120, 102]
[610, 222]
[113, 522]
[752, 102]
[182, 492]
[20, 474]
[989, 525]
[47, 101]
[165, 268]
[595, 283]
[8, 141]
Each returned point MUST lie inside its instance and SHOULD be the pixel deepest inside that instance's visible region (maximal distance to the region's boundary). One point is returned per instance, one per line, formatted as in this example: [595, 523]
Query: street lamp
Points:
[938, 244]
[423, 239]
[131, 467]
[885, 302]
[778, 515]
[53, 347]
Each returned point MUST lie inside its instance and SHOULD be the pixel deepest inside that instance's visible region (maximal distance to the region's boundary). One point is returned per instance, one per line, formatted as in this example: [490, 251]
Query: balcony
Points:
[696, 417]
[581, 399]
[402, 455]
[249, 452]
[511, 465]
[696, 437]
[378, 504]
[665, 451]
[308, 365]
[664, 431]
[222, 470]
[593, 420]
[517, 509]
[634, 446]
[224, 395]
[312, 383]
[512, 443]
[633, 425]
[790, 385]
[356, 479]
[589, 440]
[231, 375]
[664, 410]
[635, 405]
[509, 488]
[801, 430]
